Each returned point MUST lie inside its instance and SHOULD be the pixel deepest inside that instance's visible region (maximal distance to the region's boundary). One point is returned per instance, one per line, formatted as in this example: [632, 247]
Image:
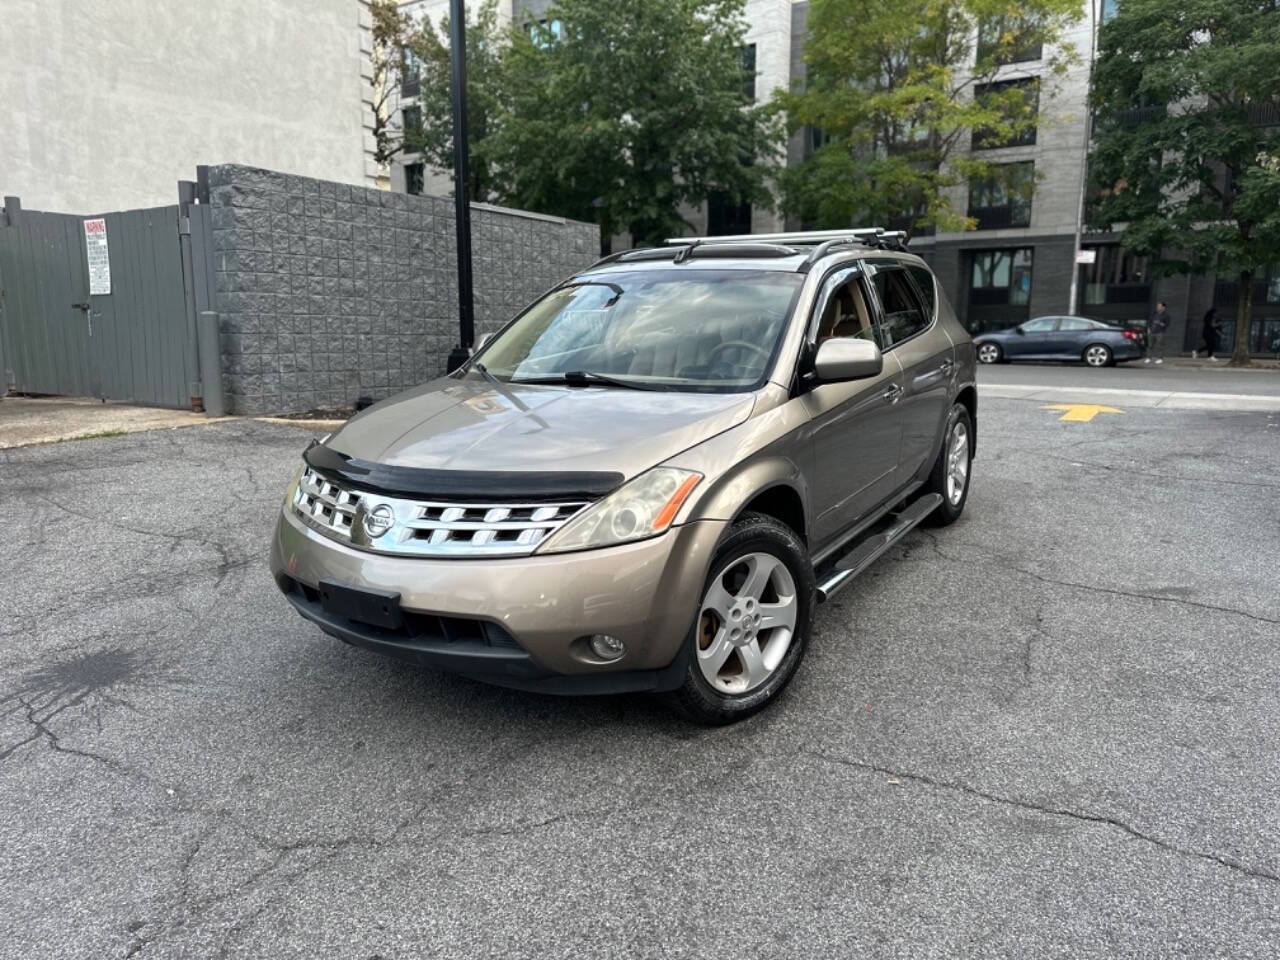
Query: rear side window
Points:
[924, 281]
[1078, 323]
[903, 317]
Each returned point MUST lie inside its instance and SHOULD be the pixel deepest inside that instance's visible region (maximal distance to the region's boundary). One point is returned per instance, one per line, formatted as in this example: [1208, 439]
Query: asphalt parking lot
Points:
[1048, 730]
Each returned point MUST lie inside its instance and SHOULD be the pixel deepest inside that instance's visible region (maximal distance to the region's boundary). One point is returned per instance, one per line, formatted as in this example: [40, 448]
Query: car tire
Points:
[718, 685]
[990, 353]
[1098, 355]
[957, 441]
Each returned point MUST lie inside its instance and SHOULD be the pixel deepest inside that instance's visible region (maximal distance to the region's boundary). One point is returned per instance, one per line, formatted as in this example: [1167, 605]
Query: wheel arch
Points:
[773, 486]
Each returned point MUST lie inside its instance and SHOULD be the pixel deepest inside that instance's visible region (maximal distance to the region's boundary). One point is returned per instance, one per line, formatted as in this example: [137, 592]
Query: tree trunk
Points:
[1244, 321]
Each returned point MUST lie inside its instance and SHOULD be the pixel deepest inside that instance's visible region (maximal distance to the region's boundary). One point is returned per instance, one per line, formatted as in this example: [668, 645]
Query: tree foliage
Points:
[622, 113]
[390, 28]
[487, 43]
[1187, 151]
[894, 91]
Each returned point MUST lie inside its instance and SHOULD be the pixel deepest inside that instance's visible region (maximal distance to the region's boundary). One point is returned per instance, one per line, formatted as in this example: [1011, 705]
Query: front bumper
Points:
[540, 607]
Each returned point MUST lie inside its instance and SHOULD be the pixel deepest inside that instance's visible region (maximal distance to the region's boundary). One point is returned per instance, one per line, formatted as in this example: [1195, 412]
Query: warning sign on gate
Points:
[95, 243]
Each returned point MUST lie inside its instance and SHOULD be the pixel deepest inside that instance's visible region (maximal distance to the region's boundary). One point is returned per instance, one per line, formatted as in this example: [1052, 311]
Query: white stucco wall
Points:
[106, 104]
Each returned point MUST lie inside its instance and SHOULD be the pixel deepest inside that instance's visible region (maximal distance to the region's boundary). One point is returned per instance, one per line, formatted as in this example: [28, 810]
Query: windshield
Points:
[677, 329]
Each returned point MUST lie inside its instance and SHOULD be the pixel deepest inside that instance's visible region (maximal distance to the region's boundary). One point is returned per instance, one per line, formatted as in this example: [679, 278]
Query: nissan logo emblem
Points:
[378, 520]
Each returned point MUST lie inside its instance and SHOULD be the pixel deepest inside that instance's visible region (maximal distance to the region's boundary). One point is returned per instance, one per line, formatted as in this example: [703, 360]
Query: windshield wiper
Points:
[587, 378]
[481, 369]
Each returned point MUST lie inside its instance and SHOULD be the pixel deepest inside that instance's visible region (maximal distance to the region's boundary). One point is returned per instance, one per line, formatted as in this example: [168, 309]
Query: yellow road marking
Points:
[1080, 412]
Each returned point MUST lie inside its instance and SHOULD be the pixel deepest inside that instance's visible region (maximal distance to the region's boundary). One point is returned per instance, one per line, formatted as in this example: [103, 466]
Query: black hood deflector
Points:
[459, 485]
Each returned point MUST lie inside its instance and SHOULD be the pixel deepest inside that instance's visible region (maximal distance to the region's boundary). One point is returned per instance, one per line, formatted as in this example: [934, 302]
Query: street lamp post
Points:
[1084, 161]
[461, 177]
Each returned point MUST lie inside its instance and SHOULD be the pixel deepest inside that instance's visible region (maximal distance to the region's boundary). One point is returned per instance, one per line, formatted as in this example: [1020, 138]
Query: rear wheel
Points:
[990, 353]
[950, 475]
[1097, 355]
[752, 625]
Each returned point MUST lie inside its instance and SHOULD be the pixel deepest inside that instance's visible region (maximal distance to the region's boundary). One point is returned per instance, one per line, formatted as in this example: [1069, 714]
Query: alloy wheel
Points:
[747, 622]
[957, 462]
[988, 353]
[1097, 356]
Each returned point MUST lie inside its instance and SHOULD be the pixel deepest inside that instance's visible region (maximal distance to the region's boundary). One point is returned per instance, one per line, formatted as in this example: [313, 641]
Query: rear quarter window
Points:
[903, 317]
[924, 280]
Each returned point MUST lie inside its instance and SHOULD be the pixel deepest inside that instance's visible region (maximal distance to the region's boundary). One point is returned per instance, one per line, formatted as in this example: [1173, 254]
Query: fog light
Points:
[606, 647]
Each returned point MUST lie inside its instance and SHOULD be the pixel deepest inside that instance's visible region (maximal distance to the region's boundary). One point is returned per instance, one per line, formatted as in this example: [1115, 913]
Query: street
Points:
[1047, 730]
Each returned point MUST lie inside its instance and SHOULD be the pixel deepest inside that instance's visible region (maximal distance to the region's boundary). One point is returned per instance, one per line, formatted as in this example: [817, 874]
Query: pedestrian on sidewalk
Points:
[1155, 334]
[1211, 333]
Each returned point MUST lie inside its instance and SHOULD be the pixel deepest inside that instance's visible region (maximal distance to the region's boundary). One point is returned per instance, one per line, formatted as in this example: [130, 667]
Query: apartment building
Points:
[107, 106]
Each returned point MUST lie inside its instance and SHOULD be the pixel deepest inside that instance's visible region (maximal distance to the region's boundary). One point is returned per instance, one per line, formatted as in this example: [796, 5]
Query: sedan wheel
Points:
[1097, 355]
[746, 624]
[988, 353]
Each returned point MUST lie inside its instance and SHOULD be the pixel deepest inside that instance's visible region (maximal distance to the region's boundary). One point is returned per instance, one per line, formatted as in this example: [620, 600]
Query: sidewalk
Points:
[27, 420]
[1259, 363]
[30, 420]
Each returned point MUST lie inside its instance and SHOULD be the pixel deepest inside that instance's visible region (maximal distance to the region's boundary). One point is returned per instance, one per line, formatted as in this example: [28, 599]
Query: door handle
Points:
[892, 393]
[948, 366]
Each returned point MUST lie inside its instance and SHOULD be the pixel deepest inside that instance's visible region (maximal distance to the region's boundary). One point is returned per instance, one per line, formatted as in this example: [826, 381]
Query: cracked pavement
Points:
[1048, 730]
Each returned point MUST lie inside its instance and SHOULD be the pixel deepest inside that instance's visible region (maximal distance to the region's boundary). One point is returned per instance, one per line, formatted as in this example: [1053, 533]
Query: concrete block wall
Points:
[327, 292]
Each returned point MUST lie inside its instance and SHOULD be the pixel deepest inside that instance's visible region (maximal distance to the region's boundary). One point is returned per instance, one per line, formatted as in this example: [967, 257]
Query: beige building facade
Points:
[107, 105]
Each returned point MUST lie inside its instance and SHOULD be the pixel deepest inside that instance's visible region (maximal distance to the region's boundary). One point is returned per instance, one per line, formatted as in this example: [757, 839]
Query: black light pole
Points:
[461, 177]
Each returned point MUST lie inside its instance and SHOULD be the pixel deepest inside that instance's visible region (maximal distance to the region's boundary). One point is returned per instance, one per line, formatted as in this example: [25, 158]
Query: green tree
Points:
[1187, 155]
[487, 44]
[390, 30]
[622, 113]
[893, 92]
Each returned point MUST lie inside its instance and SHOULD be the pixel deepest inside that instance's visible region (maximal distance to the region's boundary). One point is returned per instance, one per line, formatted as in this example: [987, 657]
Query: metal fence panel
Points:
[133, 344]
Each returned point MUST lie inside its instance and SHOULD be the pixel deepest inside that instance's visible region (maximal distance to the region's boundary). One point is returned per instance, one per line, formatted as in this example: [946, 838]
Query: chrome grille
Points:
[429, 528]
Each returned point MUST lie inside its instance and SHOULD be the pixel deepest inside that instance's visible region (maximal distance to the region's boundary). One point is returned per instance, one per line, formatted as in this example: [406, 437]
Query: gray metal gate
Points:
[136, 343]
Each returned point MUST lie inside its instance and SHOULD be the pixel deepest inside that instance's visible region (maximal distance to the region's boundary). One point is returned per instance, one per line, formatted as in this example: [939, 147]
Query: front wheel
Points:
[950, 475]
[989, 353]
[1097, 355]
[752, 625]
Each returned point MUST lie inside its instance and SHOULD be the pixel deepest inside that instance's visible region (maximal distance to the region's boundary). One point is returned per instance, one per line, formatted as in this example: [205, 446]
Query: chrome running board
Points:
[866, 552]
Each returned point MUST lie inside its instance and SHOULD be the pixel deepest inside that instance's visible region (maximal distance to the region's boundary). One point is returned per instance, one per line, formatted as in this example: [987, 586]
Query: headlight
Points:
[642, 508]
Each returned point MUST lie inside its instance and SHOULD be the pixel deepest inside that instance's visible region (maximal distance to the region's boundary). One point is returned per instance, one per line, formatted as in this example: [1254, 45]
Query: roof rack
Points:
[823, 240]
[770, 244]
[799, 236]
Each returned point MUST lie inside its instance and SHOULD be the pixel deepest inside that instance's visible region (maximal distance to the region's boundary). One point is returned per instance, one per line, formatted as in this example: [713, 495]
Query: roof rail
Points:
[799, 236]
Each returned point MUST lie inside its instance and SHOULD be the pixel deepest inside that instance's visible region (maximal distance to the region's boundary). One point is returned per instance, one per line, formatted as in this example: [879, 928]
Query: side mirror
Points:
[1019, 331]
[842, 358]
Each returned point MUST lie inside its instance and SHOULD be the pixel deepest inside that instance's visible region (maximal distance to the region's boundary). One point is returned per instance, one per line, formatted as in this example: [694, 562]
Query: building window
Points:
[411, 118]
[545, 33]
[1115, 276]
[726, 218]
[1001, 278]
[411, 72]
[1003, 198]
[413, 174]
[1009, 94]
[998, 39]
[1109, 9]
[749, 72]
[1266, 286]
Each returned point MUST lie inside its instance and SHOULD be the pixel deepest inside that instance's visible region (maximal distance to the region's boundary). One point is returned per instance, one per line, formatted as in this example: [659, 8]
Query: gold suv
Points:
[648, 479]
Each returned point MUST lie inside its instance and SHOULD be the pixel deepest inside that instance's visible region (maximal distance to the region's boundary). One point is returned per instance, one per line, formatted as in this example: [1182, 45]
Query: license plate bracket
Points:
[378, 608]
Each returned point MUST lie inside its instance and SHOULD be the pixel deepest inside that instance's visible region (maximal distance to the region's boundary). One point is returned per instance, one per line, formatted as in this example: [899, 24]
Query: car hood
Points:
[471, 425]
